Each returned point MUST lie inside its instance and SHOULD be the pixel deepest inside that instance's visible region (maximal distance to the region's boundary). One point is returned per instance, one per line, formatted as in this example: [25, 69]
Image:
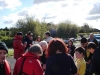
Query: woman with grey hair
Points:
[28, 63]
[44, 46]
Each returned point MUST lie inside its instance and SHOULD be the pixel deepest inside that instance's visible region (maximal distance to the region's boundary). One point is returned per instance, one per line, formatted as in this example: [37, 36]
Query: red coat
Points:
[7, 68]
[18, 46]
[31, 65]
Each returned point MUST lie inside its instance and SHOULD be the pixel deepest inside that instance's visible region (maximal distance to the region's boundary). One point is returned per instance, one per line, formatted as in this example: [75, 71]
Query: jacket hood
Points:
[30, 54]
[17, 37]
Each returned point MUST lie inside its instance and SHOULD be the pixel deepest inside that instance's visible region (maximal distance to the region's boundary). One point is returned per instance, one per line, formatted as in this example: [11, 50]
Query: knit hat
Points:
[36, 48]
[19, 33]
[3, 46]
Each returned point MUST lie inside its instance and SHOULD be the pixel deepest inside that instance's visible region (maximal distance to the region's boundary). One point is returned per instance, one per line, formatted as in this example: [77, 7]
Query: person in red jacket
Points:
[18, 46]
[28, 63]
[4, 65]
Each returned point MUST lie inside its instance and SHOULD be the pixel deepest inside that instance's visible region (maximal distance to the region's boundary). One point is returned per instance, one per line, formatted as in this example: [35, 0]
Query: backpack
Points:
[21, 70]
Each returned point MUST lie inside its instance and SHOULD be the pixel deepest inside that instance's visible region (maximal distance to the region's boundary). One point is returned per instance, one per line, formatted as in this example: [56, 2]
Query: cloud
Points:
[42, 1]
[93, 17]
[3, 4]
[8, 22]
[9, 4]
[23, 12]
[57, 11]
[95, 9]
[49, 17]
[10, 19]
[75, 4]
[0, 18]
[64, 9]
[64, 5]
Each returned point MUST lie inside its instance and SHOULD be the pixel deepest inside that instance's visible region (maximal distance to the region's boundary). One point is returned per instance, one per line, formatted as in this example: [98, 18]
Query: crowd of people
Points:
[51, 56]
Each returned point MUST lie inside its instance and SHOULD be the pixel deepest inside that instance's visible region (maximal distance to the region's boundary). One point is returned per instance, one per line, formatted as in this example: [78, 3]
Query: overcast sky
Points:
[77, 11]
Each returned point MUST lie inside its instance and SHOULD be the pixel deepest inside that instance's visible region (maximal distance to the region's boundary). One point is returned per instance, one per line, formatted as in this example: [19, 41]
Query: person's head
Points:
[38, 38]
[91, 46]
[36, 49]
[29, 34]
[3, 51]
[55, 45]
[20, 34]
[84, 42]
[91, 36]
[70, 42]
[47, 34]
[79, 52]
[44, 45]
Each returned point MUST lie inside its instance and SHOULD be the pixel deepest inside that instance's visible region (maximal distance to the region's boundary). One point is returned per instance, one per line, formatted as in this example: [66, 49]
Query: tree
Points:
[67, 30]
[86, 28]
[6, 29]
[30, 24]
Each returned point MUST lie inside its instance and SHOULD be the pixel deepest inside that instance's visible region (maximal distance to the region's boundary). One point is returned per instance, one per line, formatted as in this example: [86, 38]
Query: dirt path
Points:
[12, 62]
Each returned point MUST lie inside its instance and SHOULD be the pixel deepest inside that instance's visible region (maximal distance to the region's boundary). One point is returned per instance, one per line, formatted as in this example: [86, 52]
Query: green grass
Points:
[10, 52]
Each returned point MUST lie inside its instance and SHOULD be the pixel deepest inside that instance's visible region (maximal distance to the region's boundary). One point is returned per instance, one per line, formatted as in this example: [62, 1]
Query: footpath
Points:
[12, 62]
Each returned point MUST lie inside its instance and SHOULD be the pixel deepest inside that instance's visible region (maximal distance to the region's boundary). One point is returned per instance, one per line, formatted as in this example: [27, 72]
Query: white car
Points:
[97, 37]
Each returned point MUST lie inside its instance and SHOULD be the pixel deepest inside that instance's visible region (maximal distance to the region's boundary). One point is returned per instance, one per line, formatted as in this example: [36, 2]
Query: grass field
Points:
[10, 52]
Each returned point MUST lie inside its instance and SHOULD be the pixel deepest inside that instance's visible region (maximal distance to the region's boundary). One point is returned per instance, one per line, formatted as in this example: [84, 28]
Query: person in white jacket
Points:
[48, 37]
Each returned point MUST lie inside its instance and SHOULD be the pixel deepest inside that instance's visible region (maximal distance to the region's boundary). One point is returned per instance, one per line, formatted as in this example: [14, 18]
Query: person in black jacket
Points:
[92, 39]
[71, 48]
[95, 62]
[58, 61]
[28, 39]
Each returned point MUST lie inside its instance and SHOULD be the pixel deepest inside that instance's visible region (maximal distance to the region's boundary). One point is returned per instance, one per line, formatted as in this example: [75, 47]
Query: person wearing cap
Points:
[28, 39]
[4, 65]
[48, 36]
[19, 47]
[28, 63]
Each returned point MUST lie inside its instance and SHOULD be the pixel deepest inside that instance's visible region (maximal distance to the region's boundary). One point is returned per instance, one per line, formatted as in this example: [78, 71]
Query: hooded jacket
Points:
[31, 65]
[7, 68]
[18, 47]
